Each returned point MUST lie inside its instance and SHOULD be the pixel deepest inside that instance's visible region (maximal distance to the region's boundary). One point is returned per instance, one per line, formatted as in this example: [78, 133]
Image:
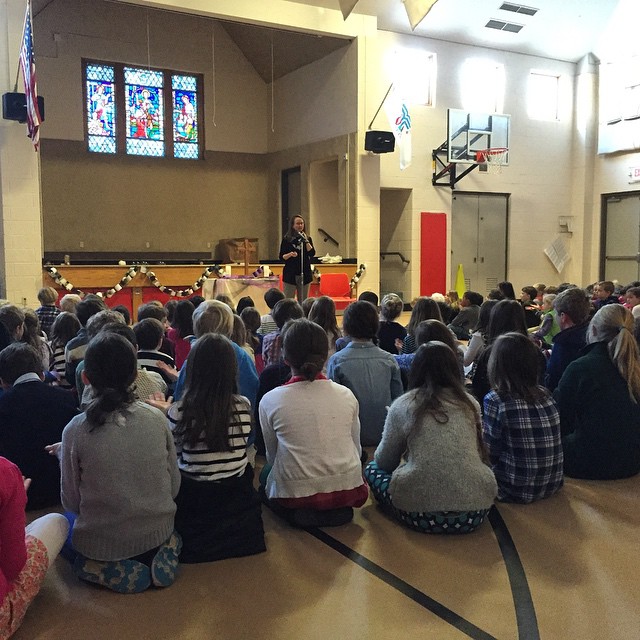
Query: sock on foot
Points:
[122, 576]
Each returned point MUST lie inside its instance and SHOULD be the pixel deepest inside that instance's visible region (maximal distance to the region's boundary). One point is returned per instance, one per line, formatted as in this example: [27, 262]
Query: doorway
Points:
[326, 214]
[291, 190]
[620, 254]
[395, 242]
[479, 239]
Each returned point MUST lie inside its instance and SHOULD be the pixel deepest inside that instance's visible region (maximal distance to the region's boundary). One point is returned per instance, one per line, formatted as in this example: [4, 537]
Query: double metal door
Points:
[479, 239]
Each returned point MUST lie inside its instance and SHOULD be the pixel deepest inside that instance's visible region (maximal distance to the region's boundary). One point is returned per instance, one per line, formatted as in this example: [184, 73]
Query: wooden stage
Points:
[149, 280]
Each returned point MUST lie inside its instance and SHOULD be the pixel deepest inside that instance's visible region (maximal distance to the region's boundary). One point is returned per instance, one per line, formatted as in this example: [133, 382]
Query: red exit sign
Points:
[634, 174]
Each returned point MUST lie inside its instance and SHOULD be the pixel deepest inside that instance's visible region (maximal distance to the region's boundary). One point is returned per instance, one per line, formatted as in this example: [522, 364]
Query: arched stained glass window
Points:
[101, 108]
[132, 110]
[185, 116]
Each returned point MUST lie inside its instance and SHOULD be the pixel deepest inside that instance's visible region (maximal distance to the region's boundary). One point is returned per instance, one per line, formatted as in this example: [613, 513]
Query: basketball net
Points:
[494, 158]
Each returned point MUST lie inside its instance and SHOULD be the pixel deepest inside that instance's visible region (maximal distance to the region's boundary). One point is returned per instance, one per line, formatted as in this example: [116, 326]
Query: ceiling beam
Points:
[417, 10]
[273, 13]
[347, 6]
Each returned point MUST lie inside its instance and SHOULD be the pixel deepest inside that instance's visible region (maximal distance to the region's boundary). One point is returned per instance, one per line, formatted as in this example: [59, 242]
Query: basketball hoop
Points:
[494, 158]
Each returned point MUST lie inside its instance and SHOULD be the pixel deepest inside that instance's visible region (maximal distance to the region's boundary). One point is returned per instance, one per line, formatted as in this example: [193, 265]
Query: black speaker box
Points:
[379, 141]
[14, 107]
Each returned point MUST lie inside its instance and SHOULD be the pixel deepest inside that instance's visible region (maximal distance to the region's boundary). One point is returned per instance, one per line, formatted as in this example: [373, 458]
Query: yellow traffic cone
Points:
[460, 285]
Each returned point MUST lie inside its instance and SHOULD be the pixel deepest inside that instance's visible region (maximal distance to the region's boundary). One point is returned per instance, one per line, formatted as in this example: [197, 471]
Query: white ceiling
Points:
[561, 29]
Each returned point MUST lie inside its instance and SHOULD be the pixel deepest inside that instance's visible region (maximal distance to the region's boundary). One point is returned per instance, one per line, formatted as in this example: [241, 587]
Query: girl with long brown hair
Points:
[429, 471]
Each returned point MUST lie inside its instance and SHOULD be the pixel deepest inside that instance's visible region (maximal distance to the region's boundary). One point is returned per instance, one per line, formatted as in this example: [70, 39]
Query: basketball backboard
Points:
[468, 133]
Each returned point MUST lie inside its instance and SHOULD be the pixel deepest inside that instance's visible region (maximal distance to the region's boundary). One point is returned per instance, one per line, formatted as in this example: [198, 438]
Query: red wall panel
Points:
[433, 253]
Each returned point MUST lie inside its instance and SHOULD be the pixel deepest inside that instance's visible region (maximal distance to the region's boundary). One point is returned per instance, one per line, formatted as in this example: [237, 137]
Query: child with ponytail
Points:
[119, 476]
[312, 436]
[599, 400]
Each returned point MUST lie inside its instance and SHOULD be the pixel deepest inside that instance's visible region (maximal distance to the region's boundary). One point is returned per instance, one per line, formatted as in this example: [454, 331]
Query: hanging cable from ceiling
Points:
[213, 68]
[272, 90]
[148, 44]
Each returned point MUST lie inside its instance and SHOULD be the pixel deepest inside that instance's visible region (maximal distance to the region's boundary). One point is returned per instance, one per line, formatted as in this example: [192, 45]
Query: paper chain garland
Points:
[124, 281]
[61, 281]
[357, 275]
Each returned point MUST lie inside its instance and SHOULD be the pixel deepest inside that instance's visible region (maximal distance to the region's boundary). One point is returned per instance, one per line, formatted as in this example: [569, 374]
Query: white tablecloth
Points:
[237, 288]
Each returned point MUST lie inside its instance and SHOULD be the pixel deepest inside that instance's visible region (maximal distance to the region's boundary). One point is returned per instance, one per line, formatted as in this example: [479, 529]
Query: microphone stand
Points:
[301, 281]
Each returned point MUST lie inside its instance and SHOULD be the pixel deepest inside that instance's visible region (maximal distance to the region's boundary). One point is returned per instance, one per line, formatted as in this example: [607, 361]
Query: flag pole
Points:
[375, 115]
[24, 26]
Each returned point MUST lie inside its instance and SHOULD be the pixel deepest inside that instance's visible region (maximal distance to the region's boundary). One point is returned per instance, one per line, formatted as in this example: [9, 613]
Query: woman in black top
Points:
[296, 249]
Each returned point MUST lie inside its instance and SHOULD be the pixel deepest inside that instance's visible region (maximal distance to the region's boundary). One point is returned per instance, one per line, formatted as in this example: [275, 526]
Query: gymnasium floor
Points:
[562, 569]
[566, 567]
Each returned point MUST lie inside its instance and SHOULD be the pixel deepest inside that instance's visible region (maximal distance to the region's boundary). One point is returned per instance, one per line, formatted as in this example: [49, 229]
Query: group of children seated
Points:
[148, 435]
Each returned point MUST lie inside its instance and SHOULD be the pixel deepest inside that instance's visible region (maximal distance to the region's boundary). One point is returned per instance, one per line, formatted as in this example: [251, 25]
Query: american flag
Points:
[28, 66]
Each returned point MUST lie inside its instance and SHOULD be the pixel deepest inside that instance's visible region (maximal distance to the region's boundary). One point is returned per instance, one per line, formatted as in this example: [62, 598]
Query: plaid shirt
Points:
[272, 348]
[47, 314]
[524, 446]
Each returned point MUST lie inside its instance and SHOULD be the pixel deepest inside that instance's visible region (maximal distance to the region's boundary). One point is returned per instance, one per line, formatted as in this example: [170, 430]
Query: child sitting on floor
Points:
[47, 312]
[284, 310]
[65, 327]
[369, 372]
[119, 476]
[549, 324]
[312, 436]
[26, 555]
[521, 425]
[267, 323]
[219, 514]
[429, 470]
[323, 313]
[390, 331]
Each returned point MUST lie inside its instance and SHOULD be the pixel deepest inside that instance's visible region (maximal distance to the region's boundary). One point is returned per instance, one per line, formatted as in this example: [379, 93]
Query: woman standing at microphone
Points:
[296, 249]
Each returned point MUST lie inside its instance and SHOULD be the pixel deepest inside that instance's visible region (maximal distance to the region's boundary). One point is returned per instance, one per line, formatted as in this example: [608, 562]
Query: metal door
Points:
[479, 239]
[622, 239]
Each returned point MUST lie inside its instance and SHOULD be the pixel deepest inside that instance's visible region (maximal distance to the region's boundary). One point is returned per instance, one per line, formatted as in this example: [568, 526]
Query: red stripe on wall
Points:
[433, 253]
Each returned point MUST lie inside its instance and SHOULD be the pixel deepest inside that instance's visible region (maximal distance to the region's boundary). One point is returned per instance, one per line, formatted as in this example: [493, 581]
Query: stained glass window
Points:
[143, 120]
[101, 108]
[145, 112]
[185, 116]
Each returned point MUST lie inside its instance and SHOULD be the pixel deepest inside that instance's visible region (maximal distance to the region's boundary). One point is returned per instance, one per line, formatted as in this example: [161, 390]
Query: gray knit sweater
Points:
[435, 466]
[120, 479]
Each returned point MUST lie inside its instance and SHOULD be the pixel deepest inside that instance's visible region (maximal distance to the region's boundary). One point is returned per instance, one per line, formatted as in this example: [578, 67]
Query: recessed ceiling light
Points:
[518, 8]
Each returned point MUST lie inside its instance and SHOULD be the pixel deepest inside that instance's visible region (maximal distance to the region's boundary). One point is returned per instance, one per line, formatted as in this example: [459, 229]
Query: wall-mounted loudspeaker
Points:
[379, 141]
[14, 107]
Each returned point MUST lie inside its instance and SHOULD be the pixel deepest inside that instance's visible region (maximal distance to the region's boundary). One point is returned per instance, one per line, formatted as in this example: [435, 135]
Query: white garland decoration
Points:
[357, 275]
[61, 281]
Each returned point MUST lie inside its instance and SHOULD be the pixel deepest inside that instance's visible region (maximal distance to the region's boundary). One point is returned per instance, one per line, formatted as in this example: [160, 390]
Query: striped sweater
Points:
[203, 464]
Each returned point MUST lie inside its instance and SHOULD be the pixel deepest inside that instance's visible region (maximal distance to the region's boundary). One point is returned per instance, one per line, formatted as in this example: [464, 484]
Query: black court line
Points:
[405, 588]
[526, 618]
[522, 600]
